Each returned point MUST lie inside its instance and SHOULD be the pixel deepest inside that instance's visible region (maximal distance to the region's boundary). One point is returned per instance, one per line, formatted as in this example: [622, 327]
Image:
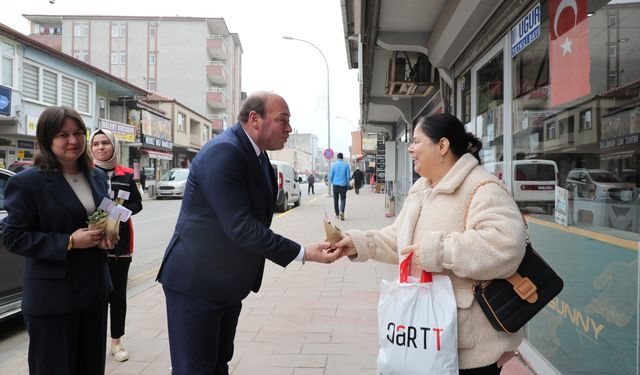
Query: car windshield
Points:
[603, 177]
[535, 172]
[175, 175]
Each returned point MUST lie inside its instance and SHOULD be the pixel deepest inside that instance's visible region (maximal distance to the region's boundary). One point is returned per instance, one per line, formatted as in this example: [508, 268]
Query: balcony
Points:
[216, 98]
[216, 72]
[218, 120]
[216, 47]
[195, 141]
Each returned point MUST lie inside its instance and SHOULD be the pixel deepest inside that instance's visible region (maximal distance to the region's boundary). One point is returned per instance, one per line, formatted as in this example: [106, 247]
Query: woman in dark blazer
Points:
[66, 280]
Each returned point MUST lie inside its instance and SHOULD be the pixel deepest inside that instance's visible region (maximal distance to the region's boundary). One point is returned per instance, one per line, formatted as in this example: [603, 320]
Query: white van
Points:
[534, 182]
[288, 185]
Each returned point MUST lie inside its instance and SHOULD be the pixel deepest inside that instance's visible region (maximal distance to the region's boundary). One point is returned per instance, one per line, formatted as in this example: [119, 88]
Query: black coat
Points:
[43, 211]
[358, 178]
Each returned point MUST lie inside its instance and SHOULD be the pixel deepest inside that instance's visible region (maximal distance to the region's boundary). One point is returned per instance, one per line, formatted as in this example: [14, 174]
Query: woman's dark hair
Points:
[49, 125]
[444, 125]
[256, 102]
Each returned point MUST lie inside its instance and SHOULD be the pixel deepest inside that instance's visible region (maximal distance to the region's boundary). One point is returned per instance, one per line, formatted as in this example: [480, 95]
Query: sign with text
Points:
[525, 31]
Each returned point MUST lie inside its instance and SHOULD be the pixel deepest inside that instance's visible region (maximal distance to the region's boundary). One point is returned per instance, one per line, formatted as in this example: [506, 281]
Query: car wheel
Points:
[297, 203]
[285, 204]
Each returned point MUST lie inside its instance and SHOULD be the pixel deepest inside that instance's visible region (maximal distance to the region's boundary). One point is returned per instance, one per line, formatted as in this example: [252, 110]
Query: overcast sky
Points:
[292, 69]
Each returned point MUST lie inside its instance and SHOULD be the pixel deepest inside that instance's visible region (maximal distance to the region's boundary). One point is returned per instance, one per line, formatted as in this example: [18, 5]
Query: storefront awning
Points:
[159, 155]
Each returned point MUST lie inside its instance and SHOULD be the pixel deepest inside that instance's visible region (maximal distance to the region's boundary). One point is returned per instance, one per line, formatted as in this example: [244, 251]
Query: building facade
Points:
[195, 60]
[551, 81]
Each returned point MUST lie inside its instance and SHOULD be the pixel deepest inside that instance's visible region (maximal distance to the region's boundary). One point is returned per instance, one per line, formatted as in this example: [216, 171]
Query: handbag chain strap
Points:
[523, 286]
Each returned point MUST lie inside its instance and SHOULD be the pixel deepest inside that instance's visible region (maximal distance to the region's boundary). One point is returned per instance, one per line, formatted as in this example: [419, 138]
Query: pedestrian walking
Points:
[339, 177]
[491, 247]
[222, 237]
[120, 183]
[358, 180]
[310, 180]
[66, 277]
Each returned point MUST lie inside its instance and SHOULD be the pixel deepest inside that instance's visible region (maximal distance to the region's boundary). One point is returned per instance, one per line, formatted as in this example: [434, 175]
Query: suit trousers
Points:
[119, 271]
[201, 334]
[70, 344]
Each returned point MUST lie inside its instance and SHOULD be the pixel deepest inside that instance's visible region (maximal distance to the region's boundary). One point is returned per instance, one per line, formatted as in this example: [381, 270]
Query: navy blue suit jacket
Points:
[42, 212]
[222, 235]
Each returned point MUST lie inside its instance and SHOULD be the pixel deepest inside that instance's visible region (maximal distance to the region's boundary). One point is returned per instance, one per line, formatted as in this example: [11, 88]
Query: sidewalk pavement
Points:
[306, 320]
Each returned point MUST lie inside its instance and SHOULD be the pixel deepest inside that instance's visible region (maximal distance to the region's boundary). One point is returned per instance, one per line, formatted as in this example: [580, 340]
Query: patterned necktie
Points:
[266, 166]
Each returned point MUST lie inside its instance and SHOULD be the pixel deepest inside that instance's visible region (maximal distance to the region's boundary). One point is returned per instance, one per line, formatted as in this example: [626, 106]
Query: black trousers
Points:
[70, 344]
[311, 189]
[119, 270]
[341, 193]
[492, 369]
[201, 334]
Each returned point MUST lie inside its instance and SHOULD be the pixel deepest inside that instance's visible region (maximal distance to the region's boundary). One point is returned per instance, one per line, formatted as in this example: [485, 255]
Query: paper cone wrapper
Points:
[334, 234]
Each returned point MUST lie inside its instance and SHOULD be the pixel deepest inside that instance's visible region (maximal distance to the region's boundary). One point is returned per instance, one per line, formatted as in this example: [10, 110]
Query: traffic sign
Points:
[328, 153]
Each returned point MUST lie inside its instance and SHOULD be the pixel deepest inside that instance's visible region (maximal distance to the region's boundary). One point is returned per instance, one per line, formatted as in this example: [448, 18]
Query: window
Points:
[551, 130]
[49, 87]
[613, 20]
[81, 30]
[585, 120]
[205, 132]
[182, 119]
[118, 30]
[465, 97]
[613, 51]
[68, 91]
[30, 81]
[8, 52]
[152, 84]
[84, 96]
[612, 79]
[152, 31]
[81, 55]
[118, 58]
[152, 58]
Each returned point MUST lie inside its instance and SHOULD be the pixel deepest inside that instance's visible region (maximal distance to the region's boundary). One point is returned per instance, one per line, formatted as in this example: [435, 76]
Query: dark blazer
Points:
[222, 236]
[42, 212]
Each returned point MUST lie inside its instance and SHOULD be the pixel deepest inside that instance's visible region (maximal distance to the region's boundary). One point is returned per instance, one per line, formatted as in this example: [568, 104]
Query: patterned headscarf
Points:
[113, 160]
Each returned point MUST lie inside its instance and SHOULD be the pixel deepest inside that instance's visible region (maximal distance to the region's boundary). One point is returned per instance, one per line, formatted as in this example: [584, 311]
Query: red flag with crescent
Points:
[569, 59]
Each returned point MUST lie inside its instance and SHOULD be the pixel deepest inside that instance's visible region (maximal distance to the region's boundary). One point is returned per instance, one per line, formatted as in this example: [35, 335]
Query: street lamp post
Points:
[328, 96]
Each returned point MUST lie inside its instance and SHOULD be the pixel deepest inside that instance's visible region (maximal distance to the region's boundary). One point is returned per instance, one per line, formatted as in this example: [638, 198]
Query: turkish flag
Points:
[569, 60]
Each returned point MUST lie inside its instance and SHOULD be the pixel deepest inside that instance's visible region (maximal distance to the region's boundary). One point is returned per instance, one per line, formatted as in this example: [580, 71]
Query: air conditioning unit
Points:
[410, 75]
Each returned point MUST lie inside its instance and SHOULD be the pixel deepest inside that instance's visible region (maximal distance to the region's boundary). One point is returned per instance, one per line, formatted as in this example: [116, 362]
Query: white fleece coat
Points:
[492, 247]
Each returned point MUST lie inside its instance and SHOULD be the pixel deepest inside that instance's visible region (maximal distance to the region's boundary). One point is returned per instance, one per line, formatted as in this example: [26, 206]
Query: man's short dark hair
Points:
[256, 102]
[340, 156]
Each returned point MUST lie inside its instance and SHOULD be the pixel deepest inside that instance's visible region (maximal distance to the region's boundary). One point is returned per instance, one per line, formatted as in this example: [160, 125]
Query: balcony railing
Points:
[216, 72]
[216, 99]
[217, 47]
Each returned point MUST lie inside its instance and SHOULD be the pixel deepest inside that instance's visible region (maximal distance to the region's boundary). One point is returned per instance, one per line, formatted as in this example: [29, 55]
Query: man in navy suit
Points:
[222, 238]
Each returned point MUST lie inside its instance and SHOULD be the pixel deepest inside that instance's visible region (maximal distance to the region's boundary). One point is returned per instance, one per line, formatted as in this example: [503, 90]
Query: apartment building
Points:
[299, 151]
[194, 60]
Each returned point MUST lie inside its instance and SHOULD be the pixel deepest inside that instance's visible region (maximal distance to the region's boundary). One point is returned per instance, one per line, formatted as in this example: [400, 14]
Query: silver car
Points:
[598, 184]
[172, 183]
[11, 265]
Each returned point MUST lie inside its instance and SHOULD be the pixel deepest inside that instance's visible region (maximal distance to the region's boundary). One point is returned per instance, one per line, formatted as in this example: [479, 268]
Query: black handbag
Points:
[510, 303]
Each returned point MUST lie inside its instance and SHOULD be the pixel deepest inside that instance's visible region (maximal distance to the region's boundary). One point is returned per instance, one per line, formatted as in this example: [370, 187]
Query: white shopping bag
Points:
[417, 325]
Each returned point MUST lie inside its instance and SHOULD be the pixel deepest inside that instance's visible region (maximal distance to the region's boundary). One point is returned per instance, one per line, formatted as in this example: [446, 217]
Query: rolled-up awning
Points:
[158, 155]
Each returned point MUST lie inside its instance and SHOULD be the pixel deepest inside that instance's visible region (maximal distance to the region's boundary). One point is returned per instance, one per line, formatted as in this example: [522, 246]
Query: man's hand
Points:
[321, 253]
[347, 246]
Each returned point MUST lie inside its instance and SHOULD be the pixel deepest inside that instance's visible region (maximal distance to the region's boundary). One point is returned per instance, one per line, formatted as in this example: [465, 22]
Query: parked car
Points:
[172, 183]
[303, 178]
[534, 182]
[20, 165]
[598, 184]
[288, 185]
[11, 265]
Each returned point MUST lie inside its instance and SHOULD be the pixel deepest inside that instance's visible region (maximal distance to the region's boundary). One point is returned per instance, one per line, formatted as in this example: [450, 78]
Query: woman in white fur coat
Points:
[431, 225]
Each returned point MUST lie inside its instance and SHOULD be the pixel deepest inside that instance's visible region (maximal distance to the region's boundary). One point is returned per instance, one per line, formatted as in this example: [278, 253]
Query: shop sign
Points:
[123, 132]
[29, 145]
[5, 100]
[148, 140]
[560, 212]
[525, 31]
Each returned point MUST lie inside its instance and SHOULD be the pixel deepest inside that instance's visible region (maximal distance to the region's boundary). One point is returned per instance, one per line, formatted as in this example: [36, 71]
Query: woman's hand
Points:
[416, 254]
[346, 246]
[85, 238]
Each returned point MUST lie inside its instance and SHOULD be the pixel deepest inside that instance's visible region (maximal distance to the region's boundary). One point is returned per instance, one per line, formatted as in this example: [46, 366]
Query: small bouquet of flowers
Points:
[108, 217]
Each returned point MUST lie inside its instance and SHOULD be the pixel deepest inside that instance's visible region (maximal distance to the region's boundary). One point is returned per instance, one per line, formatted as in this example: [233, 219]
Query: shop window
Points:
[464, 85]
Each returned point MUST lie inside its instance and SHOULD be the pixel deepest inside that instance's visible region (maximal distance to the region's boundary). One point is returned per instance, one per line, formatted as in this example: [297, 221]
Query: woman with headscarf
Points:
[120, 184]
